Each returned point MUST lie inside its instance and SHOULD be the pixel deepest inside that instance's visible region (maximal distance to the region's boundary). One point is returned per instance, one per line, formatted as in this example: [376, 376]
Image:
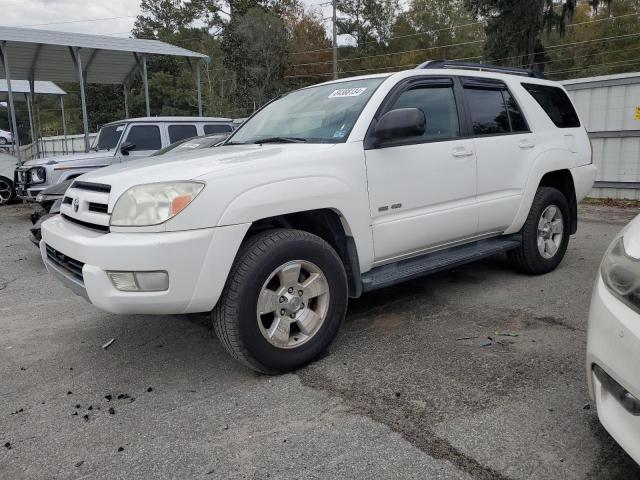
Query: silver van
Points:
[116, 142]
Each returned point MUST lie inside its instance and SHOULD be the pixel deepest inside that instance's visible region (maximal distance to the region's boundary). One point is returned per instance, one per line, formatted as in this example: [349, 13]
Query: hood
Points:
[58, 188]
[68, 158]
[198, 164]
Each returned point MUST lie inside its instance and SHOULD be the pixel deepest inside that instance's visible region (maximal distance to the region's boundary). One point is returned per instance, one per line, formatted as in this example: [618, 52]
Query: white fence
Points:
[51, 146]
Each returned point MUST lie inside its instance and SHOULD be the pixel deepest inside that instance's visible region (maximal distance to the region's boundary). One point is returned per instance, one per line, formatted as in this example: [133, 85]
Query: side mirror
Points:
[126, 147]
[401, 123]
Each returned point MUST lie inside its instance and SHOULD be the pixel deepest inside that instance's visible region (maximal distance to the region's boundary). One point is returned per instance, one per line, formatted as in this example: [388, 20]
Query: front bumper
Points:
[613, 356]
[24, 189]
[198, 262]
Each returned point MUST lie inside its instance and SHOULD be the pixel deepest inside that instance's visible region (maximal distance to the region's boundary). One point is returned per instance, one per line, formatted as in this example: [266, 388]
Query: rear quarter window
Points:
[555, 102]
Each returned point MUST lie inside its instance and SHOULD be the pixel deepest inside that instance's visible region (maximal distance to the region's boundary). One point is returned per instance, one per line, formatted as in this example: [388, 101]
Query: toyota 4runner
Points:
[325, 193]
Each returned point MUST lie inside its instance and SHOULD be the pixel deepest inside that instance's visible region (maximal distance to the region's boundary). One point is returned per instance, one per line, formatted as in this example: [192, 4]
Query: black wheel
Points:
[7, 192]
[545, 234]
[284, 301]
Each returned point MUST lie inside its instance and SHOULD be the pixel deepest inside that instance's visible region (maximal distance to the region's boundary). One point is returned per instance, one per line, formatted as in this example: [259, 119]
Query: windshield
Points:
[322, 114]
[108, 137]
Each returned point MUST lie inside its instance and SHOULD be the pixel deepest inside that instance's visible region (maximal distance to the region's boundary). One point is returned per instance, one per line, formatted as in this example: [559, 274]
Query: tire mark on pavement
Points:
[387, 414]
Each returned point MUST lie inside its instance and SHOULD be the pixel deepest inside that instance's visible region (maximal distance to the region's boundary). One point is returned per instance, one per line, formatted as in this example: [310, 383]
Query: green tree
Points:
[366, 21]
[515, 28]
[255, 47]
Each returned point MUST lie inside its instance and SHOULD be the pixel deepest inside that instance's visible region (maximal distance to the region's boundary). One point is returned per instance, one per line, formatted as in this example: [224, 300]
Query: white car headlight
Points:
[154, 203]
[621, 274]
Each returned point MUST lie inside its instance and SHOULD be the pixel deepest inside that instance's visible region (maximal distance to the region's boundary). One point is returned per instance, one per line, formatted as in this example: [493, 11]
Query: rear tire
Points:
[284, 301]
[545, 234]
[3, 141]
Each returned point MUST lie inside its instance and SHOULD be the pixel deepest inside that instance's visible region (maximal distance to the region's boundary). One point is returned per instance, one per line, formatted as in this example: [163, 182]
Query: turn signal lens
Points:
[180, 203]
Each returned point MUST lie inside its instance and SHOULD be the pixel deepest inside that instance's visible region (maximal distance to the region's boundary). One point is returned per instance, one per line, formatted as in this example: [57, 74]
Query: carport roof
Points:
[46, 55]
[40, 87]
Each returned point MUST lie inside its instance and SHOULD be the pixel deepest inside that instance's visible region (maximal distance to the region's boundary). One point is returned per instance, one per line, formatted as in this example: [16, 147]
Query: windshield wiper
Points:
[281, 140]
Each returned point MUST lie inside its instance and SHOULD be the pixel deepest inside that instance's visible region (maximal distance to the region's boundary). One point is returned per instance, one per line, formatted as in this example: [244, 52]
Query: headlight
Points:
[621, 274]
[38, 175]
[154, 203]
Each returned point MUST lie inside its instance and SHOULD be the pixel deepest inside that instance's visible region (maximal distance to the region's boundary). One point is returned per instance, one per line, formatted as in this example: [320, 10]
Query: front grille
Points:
[93, 187]
[98, 207]
[68, 264]
[93, 226]
[67, 200]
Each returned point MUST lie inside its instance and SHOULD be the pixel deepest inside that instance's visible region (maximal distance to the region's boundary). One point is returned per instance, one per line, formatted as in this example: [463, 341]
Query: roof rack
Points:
[438, 64]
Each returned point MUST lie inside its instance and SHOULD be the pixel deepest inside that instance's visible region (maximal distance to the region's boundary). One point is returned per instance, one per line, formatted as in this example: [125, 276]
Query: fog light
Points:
[140, 281]
[124, 281]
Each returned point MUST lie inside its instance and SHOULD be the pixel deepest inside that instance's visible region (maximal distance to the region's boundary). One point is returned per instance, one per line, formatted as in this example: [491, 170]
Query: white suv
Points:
[325, 193]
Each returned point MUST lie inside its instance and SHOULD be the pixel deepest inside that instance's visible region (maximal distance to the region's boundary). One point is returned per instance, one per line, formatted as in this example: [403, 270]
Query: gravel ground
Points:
[406, 391]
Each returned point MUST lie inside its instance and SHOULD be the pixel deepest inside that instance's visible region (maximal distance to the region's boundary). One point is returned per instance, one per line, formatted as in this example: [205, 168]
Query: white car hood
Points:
[199, 164]
[68, 158]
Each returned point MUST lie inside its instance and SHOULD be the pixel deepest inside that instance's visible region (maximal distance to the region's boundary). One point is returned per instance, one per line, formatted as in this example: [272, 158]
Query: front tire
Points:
[284, 301]
[545, 235]
[7, 190]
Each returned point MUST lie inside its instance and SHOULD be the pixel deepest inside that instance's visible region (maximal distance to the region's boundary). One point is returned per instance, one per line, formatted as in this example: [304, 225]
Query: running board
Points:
[415, 267]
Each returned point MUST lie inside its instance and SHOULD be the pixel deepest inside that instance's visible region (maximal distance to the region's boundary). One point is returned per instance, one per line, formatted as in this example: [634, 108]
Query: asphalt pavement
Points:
[412, 388]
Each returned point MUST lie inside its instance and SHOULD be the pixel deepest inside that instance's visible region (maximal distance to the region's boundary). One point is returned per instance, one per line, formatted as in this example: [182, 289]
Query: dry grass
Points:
[611, 202]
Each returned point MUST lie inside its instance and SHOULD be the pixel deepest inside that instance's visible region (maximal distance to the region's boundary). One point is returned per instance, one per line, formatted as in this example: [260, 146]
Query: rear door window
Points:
[181, 132]
[145, 137]
[212, 128]
[488, 111]
[556, 103]
[494, 111]
[518, 122]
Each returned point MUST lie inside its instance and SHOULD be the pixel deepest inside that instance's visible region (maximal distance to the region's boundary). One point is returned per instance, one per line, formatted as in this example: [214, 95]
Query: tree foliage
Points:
[262, 48]
[255, 45]
[515, 28]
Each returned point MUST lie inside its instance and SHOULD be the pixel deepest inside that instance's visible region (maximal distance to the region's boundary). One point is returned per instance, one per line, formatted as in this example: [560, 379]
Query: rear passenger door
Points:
[505, 148]
[181, 131]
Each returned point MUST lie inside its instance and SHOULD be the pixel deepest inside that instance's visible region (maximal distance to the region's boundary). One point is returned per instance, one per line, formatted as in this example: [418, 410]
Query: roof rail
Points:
[437, 64]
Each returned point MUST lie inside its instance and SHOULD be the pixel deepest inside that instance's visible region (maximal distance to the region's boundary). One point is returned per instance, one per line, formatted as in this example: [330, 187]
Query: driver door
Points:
[422, 190]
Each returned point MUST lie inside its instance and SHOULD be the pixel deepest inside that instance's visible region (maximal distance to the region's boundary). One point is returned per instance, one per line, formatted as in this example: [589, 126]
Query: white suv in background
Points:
[116, 142]
[325, 193]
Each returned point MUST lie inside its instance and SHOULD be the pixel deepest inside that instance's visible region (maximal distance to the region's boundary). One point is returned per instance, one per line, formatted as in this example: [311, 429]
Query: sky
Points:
[112, 17]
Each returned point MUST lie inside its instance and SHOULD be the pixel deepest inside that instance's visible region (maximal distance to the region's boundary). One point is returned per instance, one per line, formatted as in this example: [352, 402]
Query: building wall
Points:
[610, 109]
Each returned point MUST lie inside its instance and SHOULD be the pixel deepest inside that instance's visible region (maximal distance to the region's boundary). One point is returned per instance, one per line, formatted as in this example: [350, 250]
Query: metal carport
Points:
[31, 54]
[39, 88]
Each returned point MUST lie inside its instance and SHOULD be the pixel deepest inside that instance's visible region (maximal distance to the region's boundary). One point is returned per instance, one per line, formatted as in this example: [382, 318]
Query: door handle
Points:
[462, 152]
[526, 145]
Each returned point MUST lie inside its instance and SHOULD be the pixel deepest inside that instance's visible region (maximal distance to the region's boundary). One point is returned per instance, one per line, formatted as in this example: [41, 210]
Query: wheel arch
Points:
[563, 180]
[326, 223]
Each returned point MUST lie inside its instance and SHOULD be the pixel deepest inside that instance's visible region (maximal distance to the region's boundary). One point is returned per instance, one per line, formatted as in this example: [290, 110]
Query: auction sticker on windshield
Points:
[347, 92]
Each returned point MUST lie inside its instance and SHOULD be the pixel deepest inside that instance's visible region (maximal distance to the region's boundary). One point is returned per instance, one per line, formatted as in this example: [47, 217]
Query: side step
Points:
[388, 275]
